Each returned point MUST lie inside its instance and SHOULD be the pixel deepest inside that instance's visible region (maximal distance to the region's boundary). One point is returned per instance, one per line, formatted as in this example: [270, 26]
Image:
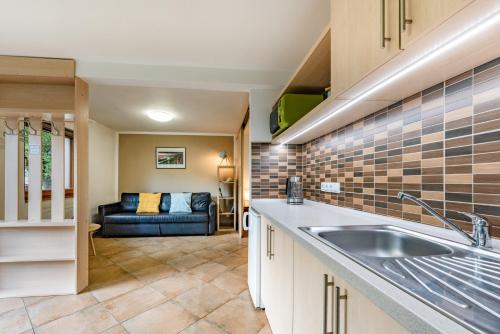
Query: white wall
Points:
[103, 163]
[261, 104]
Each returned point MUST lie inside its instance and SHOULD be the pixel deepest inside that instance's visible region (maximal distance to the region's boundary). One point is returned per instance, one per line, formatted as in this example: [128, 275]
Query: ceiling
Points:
[194, 57]
[241, 34]
[123, 108]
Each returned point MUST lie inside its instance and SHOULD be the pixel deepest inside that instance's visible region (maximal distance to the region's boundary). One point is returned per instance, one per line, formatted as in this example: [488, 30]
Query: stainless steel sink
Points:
[382, 241]
[460, 281]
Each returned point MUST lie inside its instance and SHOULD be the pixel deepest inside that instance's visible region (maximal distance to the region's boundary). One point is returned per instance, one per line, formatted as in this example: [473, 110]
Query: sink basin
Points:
[381, 241]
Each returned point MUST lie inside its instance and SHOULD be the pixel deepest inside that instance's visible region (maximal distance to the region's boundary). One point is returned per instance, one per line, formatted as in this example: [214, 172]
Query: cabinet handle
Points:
[403, 21]
[383, 39]
[327, 284]
[267, 243]
[271, 243]
[338, 298]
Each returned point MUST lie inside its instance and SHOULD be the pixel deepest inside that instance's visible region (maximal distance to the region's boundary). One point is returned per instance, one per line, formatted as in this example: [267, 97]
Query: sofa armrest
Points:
[212, 217]
[108, 209]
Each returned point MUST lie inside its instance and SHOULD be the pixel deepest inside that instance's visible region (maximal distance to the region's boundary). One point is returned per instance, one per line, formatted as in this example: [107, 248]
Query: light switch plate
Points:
[330, 187]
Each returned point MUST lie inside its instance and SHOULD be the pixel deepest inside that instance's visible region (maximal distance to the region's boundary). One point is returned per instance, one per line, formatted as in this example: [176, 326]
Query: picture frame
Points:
[170, 158]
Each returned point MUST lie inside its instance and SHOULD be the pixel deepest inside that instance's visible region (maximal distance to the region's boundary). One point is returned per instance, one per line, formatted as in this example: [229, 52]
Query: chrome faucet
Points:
[480, 236]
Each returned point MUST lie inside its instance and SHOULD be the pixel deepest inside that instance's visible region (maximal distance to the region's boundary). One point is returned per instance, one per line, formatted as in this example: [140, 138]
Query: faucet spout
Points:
[450, 224]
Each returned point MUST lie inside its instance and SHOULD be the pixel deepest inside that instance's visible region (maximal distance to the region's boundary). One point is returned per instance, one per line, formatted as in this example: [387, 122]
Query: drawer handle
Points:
[268, 252]
[271, 243]
[403, 21]
[338, 298]
[327, 284]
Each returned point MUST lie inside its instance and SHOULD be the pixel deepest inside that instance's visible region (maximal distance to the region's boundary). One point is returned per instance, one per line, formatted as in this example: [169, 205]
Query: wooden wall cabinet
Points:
[424, 15]
[367, 33]
[317, 293]
[277, 277]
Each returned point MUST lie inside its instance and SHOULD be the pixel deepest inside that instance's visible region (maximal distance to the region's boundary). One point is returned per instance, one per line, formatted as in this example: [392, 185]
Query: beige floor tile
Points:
[133, 303]
[238, 316]
[241, 270]
[163, 319]
[202, 300]
[113, 250]
[210, 253]
[186, 262]
[29, 331]
[14, 321]
[154, 273]
[167, 254]
[126, 255]
[208, 271]
[94, 319]
[230, 282]
[99, 262]
[7, 304]
[138, 263]
[231, 261]
[151, 248]
[33, 300]
[59, 306]
[176, 284]
[115, 288]
[110, 273]
[243, 252]
[266, 330]
[229, 246]
[118, 329]
[203, 327]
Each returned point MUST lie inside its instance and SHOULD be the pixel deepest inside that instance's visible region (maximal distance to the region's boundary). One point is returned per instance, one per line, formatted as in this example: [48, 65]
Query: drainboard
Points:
[463, 285]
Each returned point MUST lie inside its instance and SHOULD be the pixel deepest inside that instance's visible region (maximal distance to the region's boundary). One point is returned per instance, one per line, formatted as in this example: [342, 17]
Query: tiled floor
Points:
[150, 285]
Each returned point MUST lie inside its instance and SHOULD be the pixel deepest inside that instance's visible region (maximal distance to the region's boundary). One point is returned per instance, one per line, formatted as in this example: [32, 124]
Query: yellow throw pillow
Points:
[149, 203]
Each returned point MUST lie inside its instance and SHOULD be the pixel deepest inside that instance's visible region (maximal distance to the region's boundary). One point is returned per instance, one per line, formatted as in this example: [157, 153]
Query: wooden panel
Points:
[33, 97]
[35, 171]
[313, 75]
[11, 171]
[57, 179]
[81, 159]
[37, 70]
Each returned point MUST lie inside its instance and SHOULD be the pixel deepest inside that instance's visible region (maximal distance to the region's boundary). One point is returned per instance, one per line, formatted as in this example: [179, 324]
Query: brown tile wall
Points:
[442, 144]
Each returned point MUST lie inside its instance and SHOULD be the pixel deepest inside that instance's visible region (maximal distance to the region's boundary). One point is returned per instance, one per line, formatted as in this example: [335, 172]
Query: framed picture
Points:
[170, 157]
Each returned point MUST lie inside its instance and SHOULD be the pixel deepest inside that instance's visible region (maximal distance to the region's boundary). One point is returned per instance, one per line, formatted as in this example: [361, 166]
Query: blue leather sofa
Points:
[121, 220]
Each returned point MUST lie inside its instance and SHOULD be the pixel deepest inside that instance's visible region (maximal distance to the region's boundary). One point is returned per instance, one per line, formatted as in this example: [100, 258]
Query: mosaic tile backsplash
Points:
[442, 144]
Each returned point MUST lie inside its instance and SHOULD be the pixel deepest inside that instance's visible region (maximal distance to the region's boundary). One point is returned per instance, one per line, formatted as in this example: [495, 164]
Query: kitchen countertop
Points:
[413, 314]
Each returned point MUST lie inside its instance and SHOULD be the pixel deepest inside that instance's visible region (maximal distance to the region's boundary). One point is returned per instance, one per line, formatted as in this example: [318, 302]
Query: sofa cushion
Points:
[200, 201]
[130, 202]
[165, 202]
[149, 203]
[194, 217]
[132, 217]
[163, 217]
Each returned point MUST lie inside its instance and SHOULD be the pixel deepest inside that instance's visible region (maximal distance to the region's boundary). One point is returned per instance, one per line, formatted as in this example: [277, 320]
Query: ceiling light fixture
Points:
[160, 115]
[452, 42]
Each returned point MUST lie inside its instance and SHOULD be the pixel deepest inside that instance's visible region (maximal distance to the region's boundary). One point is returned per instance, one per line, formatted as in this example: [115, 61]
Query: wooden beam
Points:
[81, 142]
[37, 70]
[11, 170]
[36, 97]
[57, 176]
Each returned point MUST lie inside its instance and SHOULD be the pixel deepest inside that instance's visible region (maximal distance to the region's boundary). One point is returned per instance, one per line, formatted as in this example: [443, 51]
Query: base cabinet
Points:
[277, 277]
[324, 303]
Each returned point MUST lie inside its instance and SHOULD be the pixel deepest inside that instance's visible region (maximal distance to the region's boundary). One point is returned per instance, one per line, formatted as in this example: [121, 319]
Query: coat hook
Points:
[33, 131]
[11, 131]
[55, 129]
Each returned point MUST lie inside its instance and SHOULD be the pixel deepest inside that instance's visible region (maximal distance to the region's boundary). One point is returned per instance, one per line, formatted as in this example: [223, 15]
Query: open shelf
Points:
[37, 224]
[313, 74]
[36, 258]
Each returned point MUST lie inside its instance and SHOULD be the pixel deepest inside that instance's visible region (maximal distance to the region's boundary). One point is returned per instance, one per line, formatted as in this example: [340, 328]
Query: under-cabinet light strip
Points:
[452, 42]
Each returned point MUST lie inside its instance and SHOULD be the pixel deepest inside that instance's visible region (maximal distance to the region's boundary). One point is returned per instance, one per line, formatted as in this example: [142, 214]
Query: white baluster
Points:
[11, 169]
[35, 170]
[57, 182]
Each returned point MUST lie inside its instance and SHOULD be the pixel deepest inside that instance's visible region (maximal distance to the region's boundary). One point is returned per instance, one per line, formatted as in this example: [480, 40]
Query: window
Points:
[47, 161]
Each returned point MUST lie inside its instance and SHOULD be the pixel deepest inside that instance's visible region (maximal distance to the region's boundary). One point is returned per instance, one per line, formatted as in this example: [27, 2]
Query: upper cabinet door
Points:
[364, 36]
[420, 16]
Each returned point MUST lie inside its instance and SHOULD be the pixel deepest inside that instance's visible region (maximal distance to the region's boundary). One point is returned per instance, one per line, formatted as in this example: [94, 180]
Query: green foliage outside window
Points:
[46, 158]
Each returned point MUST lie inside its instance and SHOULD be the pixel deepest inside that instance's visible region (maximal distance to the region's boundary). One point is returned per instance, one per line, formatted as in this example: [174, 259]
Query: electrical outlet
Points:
[330, 187]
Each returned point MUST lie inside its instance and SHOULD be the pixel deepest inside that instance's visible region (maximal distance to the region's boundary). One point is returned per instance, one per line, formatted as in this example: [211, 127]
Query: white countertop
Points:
[416, 316]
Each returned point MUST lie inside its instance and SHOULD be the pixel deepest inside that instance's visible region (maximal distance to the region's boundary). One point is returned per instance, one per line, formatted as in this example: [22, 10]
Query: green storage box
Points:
[292, 107]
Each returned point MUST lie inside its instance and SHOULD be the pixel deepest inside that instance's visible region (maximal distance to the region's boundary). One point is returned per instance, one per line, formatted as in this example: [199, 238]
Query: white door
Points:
[254, 248]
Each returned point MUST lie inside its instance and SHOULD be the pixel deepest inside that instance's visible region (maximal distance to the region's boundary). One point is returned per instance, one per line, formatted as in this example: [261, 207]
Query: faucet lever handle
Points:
[475, 218]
